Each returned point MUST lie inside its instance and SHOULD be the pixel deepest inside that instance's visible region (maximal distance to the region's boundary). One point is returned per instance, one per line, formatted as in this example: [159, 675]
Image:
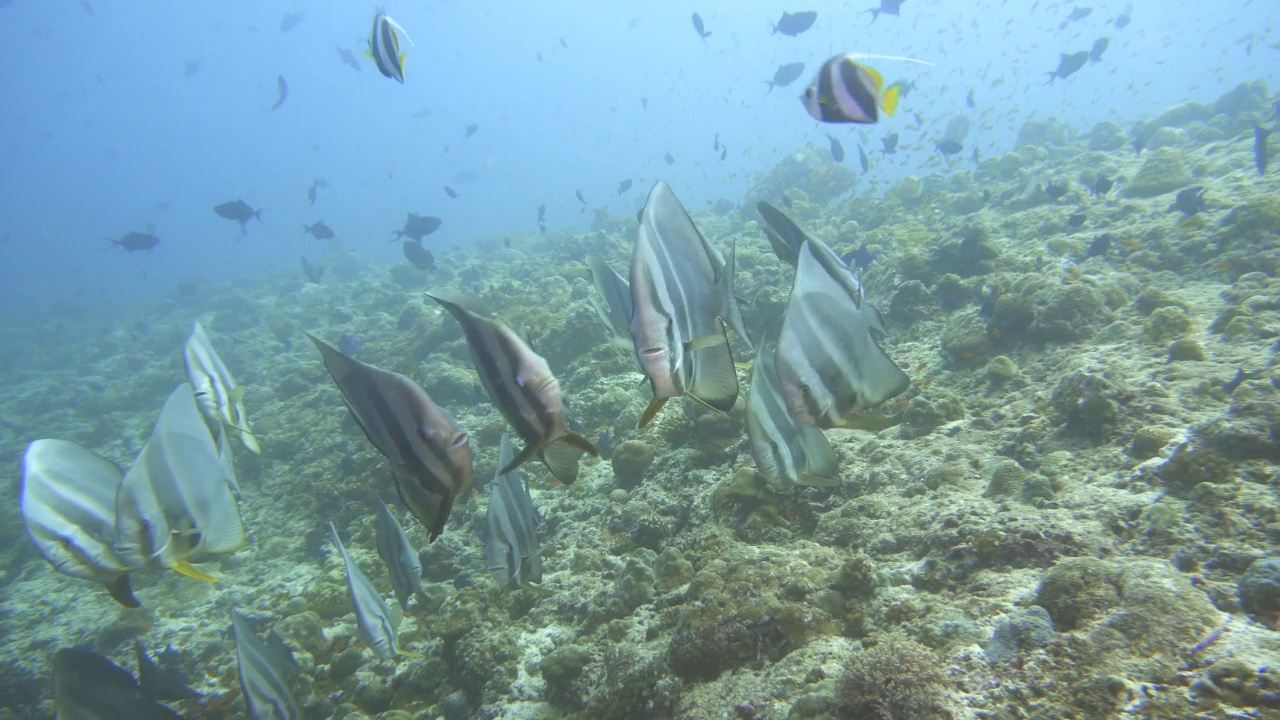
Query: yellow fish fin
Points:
[654, 406]
[889, 100]
[183, 567]
[236, 396]
[704, 342]
[408, 653]
[876, 78]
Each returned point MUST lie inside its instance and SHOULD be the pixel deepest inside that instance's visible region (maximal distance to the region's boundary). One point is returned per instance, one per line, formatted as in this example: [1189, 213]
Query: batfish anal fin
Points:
[122, 592]
[655, 405]
[561, 457]
[529, 451]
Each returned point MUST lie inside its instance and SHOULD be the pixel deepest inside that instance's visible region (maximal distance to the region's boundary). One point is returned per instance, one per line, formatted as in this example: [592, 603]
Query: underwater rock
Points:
[1167, 137]
[1006, 480]
[306, 630]
[1160, 612]
[630, 461]
[911, 302]
[1087, 403]
[951, 292]
[561, 669]
[1162, 172]
[924, 415]
[1186, 349]
[908, 191]
[1258, 214]
[1149, 440]
[1107, 136]
[895, 678]
[1067, 313]
[1077, 590]
[965, 341]
[1000, 371]
[1165, 324]
[672, 569]
[1242, 99]
[1259, 587]
[809, 170]
[1191, 465]
[1042, 133]
[1018, 634]
[346, 663]
[635, 583]
[1250, 429]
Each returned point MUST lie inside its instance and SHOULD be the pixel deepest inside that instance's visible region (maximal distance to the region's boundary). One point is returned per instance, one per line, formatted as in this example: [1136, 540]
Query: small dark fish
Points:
[698, 28]
[860, 258]
[319, 230]
[844, 91]
[1123, 18]
[784, 76]
[315, 189]
[418, 255]
[291, 21]
[1079, 13]
[1100, 246]
[472, 128]
[669, 160]
[1076, 221]
[239, 211]
[863, 160]
[948, 147]
[348, 59]
[837, 150]
[88, 685]
[968, 100]
[542, 212]
[624, 186]
[564, 44]
[191, 68]
[1260, 155]
[890, 143]
[1102, 186]
[283, 88]
[314, 273]
[1068, 65]
[792, 24]
[88, 7]
[578, 194]
[716, 146]
[134, 241]
[604, 445]
[724, 153]
[417, 227]
[1099, 47]
[450, 192]
[1189, 201]
[888, 7]
[1055, 191]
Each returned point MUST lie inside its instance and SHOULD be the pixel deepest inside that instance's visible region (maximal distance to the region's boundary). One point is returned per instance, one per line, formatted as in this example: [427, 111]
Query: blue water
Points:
[103, 131]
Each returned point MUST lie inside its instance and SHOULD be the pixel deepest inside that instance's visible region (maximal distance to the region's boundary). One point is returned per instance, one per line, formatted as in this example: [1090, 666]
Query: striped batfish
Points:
[523, 389]
[430, 457]
[612, 301]
[372, 617]
[830, 367]
[511, 548]
[68, 503]
[265, 672]
[785, 237]
[175, 506]
[785, 452]
[220, 399]
[681, 298]
[402, 561]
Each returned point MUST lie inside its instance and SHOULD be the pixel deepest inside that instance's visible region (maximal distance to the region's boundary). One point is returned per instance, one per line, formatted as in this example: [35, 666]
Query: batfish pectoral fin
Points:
[408, 653]
[874, 423]
[655, 405]
[715, 380]
[182, 567]
[120, 591]
[561, 457]
[817, 481]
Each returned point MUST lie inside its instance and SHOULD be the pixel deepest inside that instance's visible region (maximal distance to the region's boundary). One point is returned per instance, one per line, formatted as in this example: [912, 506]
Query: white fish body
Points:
[511, 550]
[68, 503]
[262, 679]
[372, 618]
[402, 561]
[221, 401]
[175, 505]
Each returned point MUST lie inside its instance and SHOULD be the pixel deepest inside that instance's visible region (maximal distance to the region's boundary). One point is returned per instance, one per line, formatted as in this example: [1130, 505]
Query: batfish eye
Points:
[461, 440]
[806, 390]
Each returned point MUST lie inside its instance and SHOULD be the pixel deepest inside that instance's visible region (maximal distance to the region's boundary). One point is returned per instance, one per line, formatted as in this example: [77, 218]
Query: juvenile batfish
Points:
[612, 301]
[68, 503]
[372, 617]
[264, 673]
[785, 452]
[430, 457]
[521, 386]
[680, 292]
[398, 554]
[830, 367]
[221, 401]
[175, 505]
[511, 548]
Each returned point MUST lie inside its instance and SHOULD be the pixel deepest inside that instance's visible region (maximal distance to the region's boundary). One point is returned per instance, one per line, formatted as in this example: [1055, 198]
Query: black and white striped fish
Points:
[830, 367]
[511, 548]
[221, 401]
[682, 295]
[265, 672]
[384, 45]
[785, 452]
[612, 301]
[845, 92]
[521, 386]
[372, 617]
[402, 561]
[68, 504]
[430, 457]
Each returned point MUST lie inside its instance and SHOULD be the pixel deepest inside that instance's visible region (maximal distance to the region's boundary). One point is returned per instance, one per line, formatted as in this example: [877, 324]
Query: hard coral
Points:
[897, 679]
